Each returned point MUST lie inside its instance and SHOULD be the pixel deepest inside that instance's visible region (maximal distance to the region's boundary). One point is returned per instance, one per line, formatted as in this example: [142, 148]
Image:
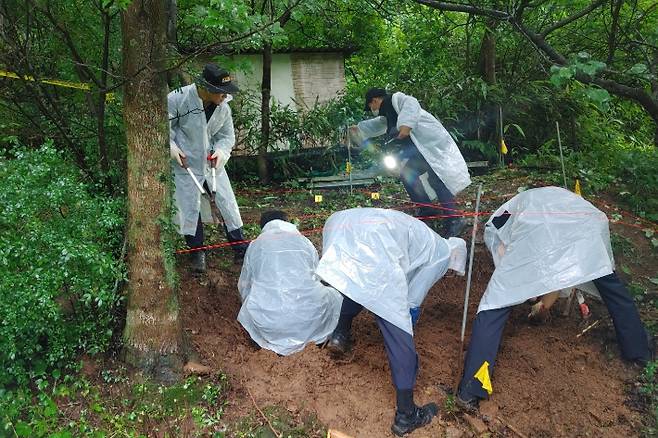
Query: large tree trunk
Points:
[266, 92]
[153, 335]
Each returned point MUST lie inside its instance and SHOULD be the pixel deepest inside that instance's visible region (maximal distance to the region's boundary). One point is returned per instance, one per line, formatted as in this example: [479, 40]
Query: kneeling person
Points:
[386, 261]
[284, 306]
[544, 240]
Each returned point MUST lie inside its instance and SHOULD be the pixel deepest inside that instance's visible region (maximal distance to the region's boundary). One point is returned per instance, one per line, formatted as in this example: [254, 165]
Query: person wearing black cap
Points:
[430, 164]
[201, 138]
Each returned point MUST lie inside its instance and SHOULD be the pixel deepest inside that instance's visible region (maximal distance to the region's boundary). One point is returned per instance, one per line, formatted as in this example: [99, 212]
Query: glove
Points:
[217, 159]
[176, 154]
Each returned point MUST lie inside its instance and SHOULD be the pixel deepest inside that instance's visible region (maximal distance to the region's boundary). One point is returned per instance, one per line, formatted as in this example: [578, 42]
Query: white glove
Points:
[217, 159]
[176, 154]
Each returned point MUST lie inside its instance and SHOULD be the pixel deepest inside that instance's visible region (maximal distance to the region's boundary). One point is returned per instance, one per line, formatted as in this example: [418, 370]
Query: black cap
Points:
[216, 80]
[371, 94]
[271, 215]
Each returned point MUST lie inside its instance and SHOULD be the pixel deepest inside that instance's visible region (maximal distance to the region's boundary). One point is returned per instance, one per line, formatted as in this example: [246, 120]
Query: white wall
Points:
[282, 85]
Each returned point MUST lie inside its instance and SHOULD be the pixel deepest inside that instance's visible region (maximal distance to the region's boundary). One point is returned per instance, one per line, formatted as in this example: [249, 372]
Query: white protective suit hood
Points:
[430, 137]
[284, 305]
[386, 260]
[189, 131]
[553, 239]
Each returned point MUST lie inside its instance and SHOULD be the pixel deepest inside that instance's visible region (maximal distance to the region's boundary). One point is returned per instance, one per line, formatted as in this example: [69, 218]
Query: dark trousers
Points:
[400, 348]
[489, 324]
[232, 236]
[410, 177]
[196, 240]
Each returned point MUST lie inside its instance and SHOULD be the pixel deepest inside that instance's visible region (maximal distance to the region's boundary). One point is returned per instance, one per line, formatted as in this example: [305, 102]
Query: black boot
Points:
[239, 249]
[453, 227]
[339, 343]
[198, 262]
[408, 422]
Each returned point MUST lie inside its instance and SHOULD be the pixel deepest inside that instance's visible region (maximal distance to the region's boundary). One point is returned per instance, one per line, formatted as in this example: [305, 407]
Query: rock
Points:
[476, 424]
[488, 409]
[196, 368]
[453, 432]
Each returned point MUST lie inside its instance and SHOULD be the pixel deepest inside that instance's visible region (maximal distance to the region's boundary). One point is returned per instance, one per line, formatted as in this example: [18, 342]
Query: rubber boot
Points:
[239, 249]
[198, 262]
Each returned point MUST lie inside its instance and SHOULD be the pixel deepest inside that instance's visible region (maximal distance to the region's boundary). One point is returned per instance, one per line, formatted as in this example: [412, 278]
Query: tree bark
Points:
[266, 92]
[153, 334]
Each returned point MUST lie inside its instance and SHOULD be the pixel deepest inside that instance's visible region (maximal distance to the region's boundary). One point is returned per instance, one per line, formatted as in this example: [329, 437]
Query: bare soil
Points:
[547, 381]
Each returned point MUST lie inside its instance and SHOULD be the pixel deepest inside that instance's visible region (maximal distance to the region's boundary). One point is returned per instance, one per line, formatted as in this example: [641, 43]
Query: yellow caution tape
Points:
[109, 97]
[576, 189]
[318, 198]
[483, 376]
[503, 147]
[374, 195]
[348, 167]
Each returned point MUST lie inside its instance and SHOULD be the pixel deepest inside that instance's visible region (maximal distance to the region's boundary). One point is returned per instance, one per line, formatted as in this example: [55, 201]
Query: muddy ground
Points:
[548, 382]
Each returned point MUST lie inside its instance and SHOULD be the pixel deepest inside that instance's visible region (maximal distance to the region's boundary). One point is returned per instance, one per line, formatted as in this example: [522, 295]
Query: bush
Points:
[58, 264]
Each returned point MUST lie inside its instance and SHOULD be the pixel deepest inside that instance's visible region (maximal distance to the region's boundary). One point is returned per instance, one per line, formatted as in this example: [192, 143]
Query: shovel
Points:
[213, 207]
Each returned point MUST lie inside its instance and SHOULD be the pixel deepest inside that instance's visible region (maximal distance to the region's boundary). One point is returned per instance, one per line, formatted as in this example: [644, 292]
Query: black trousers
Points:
[489, 324]
[400, 348]
[410, 175]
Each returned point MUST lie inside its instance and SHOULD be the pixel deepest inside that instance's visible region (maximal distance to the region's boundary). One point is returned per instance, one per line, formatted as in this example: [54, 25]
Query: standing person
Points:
[386, 261]
[431, 165]
[544, 240]
[201, 137]
[284, 305]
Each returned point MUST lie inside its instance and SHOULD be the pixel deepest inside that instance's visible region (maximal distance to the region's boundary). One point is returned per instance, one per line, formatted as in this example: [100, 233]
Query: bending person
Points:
[284, 305]
[386, 261]
[544, 240]
[431, 165]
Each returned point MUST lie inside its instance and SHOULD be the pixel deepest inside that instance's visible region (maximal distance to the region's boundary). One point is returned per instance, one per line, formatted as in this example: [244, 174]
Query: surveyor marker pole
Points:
[500, 119]
[559, 143]
[349, 158]
[470, 262]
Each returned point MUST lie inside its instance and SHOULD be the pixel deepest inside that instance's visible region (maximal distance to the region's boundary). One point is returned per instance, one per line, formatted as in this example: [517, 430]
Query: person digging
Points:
[545, 240]
[386, 261]
[201, 139]
[284, 305]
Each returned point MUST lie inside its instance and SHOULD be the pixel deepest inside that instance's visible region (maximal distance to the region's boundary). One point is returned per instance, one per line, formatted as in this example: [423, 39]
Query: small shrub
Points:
[58, 264]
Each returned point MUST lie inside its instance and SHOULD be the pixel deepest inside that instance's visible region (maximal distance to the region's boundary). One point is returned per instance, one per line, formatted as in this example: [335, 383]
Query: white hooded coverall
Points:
[189, 131]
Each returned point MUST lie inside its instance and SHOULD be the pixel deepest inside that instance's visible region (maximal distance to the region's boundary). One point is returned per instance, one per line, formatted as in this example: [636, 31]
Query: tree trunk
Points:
[153, 334]
[487, 67]
[266, 91]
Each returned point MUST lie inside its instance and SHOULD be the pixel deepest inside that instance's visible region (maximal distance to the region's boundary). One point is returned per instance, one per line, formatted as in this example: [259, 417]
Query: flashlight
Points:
[390, 162]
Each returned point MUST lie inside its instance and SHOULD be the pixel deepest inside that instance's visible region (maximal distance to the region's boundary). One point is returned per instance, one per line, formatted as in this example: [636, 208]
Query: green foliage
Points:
[649, 390]
[58, 264]
[74, 406]
[282, 421]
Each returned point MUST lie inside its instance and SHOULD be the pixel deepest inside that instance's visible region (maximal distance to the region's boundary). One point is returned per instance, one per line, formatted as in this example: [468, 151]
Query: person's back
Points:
[284, 305]
[386, 260]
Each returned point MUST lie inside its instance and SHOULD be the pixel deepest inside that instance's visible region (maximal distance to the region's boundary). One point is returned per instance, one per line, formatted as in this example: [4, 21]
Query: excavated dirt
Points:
[547, 381]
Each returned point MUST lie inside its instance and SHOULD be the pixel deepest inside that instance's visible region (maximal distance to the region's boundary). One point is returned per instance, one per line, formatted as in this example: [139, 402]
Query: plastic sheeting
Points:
[189, 130]
[284, 305]
[430, 137]
[386, 260]
[553, 239]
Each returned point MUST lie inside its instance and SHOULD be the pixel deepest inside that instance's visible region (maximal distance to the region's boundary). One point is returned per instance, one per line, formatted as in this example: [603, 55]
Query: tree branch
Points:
[572, 18]
[460, 7]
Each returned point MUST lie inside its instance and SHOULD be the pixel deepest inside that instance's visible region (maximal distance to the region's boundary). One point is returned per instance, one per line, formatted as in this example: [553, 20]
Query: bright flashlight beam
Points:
[390, 162]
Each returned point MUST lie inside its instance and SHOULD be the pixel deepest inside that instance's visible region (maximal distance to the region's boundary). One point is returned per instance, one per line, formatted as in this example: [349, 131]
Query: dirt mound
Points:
[548, 382]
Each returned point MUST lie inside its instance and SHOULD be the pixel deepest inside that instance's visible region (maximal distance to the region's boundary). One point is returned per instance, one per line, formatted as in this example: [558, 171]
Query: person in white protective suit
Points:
[201, 138]
[544, 240]
[386, 261]
[430, 165]
[284, 305]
